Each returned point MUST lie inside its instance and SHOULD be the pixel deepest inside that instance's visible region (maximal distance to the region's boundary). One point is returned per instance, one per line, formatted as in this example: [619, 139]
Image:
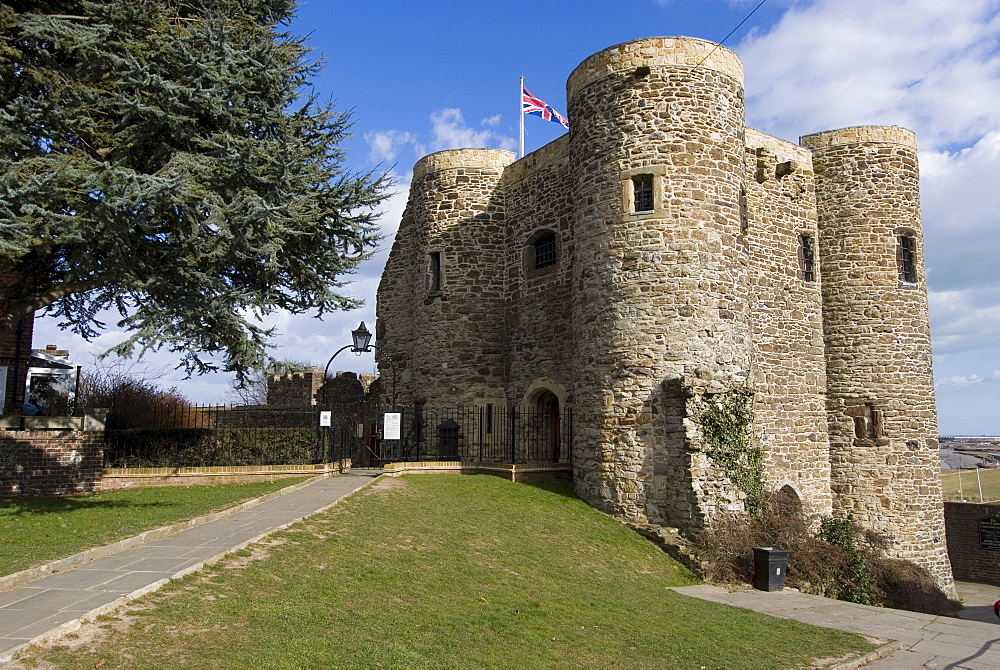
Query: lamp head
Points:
[361, 338]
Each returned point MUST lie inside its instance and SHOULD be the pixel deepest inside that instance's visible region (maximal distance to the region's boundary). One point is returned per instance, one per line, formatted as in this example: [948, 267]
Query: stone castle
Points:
[727, 314]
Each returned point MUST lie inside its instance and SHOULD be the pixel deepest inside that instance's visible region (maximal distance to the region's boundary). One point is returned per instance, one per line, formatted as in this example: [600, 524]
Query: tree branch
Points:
[11, 314]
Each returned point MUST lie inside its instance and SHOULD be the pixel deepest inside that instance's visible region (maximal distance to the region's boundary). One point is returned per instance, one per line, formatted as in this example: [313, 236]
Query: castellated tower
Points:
[660, 307]
[445, 281]
[704, 313]
[880, 390]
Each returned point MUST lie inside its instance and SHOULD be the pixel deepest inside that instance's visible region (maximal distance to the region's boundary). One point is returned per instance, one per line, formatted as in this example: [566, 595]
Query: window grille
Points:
[642, 186]
[545, 251]
[807, 259]
[906, 257]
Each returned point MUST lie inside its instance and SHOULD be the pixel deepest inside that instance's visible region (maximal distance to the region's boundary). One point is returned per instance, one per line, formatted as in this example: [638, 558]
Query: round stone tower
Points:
[880, 390]
[660, 274]
[454, 232]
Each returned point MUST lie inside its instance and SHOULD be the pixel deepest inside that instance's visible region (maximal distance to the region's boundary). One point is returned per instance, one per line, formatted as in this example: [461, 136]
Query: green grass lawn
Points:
[445, 571]
[958, 485]
[38, 530]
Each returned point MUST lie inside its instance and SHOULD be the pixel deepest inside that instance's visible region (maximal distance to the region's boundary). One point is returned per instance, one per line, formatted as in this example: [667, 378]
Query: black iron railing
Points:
[479, 433]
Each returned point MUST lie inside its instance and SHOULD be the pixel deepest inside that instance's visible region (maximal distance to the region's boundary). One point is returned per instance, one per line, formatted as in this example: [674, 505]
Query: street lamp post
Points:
[361, 343]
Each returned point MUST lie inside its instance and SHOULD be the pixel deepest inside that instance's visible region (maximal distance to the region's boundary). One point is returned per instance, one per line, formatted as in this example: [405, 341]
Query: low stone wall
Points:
[127, 478]
[516, 472]
[50, 462]
[972, 529]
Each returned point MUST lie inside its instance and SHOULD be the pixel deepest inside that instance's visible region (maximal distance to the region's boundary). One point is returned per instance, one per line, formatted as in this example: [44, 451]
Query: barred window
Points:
[545, 251]
[906, 257]
[807, 259]
[642, 189]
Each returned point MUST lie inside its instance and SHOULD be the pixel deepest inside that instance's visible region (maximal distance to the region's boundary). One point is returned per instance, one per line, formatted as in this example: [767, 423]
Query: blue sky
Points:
[428, 75]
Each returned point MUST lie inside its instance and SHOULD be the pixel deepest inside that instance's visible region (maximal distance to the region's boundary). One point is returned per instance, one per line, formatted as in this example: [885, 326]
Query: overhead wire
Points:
[723, 41]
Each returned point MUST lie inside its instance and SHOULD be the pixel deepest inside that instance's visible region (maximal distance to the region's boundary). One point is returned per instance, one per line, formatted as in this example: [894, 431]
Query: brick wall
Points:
[969, 561]
[50, 462]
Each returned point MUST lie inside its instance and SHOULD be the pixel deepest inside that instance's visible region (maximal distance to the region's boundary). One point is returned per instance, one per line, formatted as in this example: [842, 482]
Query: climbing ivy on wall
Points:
[727, 428]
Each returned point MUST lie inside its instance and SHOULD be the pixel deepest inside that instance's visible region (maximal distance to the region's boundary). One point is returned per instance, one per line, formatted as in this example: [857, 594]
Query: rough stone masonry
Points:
[727, 314]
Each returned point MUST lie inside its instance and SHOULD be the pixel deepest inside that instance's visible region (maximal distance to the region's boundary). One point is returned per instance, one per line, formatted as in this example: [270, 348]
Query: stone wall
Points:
[660, 296]
[295, 389]
[454, 233]
[50, 462]
[885, 464]
[790, 367]
[969, 561]
[539, 339]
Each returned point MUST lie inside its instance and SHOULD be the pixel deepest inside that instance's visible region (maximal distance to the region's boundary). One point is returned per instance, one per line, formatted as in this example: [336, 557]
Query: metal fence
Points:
[182, 435]
[479, 433]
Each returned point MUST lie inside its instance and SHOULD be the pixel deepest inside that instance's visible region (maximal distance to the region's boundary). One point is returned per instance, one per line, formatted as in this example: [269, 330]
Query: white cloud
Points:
[960, 381]
[386, 145]
[927, 65]
[449, 131]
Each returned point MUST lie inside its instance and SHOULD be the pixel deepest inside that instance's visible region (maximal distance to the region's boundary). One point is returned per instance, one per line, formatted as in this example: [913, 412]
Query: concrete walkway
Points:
[910, 640]
[56, 604]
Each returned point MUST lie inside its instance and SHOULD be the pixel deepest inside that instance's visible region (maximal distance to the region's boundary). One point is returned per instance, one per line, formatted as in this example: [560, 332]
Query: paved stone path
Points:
[55, 604]
[921, 640]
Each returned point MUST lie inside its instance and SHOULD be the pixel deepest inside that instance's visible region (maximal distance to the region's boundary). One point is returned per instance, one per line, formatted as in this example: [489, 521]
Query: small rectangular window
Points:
[807, 259]
[642, 187]
[435, 272]
[906, 257]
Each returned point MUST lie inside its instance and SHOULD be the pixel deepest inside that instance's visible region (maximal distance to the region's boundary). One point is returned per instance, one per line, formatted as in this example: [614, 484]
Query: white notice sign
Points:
[325, 418]
[393, 425]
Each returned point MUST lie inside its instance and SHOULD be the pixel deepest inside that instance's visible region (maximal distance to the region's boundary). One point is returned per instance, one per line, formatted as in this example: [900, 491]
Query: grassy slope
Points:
[37, 530]
[448, 571]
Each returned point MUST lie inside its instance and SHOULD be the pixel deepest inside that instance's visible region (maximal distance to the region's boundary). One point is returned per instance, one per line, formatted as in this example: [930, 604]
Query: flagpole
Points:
[520, 113]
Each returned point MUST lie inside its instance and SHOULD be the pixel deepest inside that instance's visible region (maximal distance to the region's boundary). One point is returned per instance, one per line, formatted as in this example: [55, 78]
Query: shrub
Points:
[210, 447]
[840, 560]
[133, 401]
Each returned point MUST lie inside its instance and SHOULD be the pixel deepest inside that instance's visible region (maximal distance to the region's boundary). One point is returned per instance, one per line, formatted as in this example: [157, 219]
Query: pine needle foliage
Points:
[163, 159]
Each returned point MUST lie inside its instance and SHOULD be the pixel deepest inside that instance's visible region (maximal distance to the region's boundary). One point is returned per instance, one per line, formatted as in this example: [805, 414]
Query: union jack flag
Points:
[532, 105]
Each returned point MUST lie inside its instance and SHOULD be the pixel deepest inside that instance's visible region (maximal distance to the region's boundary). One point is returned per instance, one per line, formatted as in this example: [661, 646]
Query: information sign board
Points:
[393, 425]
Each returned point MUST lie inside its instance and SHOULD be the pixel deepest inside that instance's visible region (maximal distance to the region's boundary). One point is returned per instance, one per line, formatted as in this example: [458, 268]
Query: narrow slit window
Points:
[435, 272]
[744, 218]
[906, 257]
[545, 251]
[807, 258]
[489, 419]
[642, 189]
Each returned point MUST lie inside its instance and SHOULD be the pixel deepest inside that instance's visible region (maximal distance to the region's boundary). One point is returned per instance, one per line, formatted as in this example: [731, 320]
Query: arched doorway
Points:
[549, 425]
[786, 501]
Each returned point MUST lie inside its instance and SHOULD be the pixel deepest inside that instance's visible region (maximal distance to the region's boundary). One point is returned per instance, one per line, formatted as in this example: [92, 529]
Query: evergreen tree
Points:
[160, 158]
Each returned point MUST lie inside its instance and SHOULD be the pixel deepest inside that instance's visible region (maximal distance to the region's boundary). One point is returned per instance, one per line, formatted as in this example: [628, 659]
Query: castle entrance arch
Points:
[546, 422]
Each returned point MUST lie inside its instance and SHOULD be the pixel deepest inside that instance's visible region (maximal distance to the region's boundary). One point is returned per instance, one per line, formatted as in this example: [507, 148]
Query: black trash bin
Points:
[769, 567]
